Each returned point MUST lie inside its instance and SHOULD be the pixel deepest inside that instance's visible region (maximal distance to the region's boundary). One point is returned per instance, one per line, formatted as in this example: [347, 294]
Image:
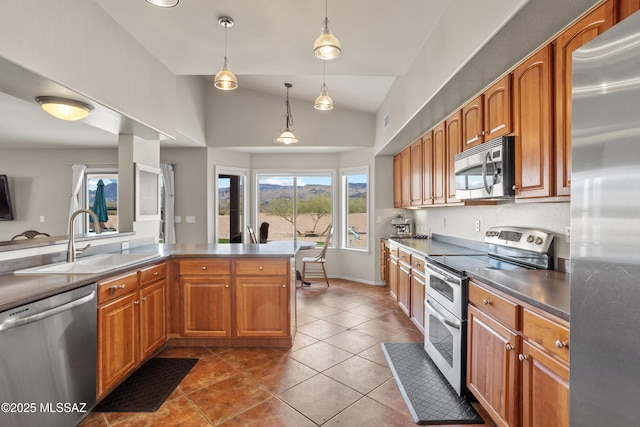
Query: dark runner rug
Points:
[148, 387]
[430, 398]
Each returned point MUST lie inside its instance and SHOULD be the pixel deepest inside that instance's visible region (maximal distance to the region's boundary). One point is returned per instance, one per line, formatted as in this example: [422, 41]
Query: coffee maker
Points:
[403, 226]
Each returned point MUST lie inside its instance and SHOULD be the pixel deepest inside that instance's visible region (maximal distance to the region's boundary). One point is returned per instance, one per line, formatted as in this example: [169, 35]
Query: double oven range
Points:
[446, 292]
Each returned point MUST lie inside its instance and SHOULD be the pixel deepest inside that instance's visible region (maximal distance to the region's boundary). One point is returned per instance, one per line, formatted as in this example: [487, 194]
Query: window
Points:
[296, 206]
[355, 203]
[230, 205]
[108, 179]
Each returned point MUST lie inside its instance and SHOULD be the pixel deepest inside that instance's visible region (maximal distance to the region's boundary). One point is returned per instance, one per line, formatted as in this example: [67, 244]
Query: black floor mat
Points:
[430, 398]
[147, 388]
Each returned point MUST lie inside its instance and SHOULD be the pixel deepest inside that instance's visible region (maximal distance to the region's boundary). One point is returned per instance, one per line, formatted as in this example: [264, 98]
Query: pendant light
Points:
[225, 79]
[287, 137]
[164, 3]
[63, 108]
[327, 46]
[324, 101]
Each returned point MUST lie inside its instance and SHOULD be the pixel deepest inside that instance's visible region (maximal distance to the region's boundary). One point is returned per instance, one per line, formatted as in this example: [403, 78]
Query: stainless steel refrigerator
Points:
[605, 230]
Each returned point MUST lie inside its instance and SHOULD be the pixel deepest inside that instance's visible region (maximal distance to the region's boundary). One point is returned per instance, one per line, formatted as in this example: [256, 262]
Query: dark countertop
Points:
[18, 290]
[547, 290]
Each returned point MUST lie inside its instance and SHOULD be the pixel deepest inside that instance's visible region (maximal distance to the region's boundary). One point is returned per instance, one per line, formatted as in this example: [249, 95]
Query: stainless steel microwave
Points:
[487, 171]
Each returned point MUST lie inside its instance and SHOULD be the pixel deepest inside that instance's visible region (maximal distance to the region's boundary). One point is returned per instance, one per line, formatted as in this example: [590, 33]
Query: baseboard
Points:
[358, 279]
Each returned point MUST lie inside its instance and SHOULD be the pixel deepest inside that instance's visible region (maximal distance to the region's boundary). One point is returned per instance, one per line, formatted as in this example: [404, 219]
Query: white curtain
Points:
[76, 185]
[169, 203]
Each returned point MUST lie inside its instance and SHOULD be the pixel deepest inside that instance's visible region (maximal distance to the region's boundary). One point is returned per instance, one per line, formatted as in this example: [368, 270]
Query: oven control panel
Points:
[528, 239]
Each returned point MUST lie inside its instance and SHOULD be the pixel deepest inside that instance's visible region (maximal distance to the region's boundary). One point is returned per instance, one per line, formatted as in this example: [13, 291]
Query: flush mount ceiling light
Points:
[287, 137]
[327, 46]
[225, 79]
[164, 3]
[63, 108]
[324, 101]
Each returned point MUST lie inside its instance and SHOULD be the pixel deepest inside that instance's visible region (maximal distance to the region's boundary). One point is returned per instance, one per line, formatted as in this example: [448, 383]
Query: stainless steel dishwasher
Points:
[48, 360]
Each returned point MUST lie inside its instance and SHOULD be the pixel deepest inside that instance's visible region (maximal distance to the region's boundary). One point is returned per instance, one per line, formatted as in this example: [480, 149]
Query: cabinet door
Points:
[262, 308]
[417, 300]
[117, 340]
[404, 288]
[497, 109]
[492, 367]
[627, 7]
[416, 173]
[439, 162]
[533, 107]
[405, 160]
[153, 327]
[397, 181]
[472, 123]
[453, 146]
[545, 389]
[393, 277]
[206, 306]
[571, 39]
[427, 168]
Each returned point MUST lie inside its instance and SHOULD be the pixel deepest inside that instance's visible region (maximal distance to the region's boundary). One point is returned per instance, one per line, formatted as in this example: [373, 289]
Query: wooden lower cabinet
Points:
[261, 306]
[404, 287]
[384, 261]
[206, 306]
[393, 272]
[131, 323]
[118, 334]
[492, 367]
[519, 373]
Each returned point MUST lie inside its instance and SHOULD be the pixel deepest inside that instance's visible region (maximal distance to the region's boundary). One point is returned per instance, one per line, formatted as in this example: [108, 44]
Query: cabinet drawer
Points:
[393, 250]
[404, 256]
[115, 287]
[254, 267]
[494, 305]
[153, 273]
[417, 263]
[205, 267]
[549, 334]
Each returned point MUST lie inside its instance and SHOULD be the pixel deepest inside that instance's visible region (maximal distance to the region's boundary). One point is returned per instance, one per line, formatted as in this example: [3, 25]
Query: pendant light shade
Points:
[225, 79]
[324, 101]
[164, 3]
[64, 109]
[327, 46]
[287, 137]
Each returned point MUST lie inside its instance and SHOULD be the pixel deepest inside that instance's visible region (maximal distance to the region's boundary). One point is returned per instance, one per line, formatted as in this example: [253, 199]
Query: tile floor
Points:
[335, 373]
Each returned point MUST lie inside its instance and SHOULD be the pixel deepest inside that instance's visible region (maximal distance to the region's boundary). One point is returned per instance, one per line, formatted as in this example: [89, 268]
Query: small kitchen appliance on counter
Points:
[403, 226]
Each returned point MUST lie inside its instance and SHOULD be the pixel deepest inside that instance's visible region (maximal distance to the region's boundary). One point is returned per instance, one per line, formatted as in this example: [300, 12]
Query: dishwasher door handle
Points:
[14, 323]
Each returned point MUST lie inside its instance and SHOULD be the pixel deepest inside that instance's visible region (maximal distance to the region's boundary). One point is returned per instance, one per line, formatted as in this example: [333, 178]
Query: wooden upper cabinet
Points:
[571, 39]
[416, 172]
[439, 162]
[532, 115]
[488, 116]
[497, 109]
[397, 181]
[427, 168]
[453, 146]
[472, 116]
[405, 167]
[626, 8]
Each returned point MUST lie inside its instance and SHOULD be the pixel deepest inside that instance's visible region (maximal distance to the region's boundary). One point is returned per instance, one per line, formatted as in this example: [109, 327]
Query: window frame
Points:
[344, 207]
[83, 201]
[296, 173]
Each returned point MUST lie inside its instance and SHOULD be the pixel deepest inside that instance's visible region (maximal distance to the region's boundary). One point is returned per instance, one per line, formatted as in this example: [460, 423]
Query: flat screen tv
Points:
[6, 209]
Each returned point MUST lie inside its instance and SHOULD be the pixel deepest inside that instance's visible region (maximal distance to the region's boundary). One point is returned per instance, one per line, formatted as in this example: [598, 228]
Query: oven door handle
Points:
[440, 317]
[487, 187]
[441, 276]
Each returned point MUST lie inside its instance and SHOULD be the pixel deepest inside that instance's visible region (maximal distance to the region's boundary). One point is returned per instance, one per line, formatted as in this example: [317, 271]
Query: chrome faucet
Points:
[72, 252]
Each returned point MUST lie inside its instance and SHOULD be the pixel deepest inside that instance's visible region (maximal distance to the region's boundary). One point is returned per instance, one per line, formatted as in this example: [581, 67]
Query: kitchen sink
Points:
[89, 265]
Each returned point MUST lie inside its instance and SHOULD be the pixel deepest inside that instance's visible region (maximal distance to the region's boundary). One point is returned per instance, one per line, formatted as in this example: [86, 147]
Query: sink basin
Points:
[90, 265]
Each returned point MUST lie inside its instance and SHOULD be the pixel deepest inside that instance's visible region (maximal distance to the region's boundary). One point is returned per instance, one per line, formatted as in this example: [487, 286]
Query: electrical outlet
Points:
[478, 225]
[125, 246]
[567, 233]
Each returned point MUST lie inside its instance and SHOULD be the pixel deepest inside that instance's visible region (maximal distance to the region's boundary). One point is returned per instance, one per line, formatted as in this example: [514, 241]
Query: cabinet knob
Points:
[136, 302]
[509, 347]
[486, 301]
[483, 133]
[260, 268]
[284, 286]
[514, 187]
[522, 357]
[226, 286]
[114, 289]
[204, 268]
[144, 299]
[155, 273]
[561, 344]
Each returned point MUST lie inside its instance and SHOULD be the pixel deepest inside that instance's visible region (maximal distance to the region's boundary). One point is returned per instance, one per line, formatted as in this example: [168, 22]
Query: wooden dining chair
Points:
[252, 234]
[313, 266]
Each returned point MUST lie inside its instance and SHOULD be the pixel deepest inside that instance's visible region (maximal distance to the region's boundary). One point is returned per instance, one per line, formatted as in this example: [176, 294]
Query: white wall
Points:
[77, 44]
[191, 105]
